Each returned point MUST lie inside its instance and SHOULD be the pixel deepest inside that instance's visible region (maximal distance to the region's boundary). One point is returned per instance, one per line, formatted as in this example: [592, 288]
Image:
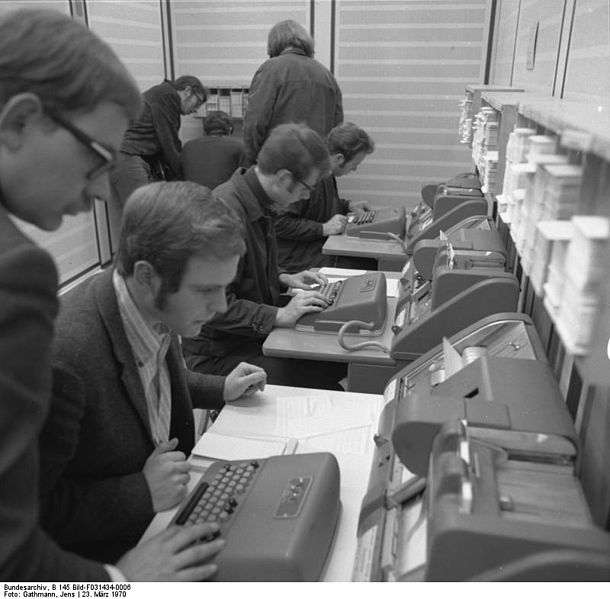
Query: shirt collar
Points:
[146, 338]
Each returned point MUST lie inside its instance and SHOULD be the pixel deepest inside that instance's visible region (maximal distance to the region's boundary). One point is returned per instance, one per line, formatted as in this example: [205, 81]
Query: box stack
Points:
[553, 288]
[556, 189]
[485, 137]
[548, 233]
[465, 124]
[517, 149]
[584, 273]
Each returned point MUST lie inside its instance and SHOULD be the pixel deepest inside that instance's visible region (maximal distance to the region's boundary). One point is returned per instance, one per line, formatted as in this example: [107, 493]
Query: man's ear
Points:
[284, 178]
[146, 278]
[16, 116]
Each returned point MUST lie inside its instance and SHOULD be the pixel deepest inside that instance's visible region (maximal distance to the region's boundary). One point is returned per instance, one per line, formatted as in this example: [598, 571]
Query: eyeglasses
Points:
[308, 187]
[106, 156]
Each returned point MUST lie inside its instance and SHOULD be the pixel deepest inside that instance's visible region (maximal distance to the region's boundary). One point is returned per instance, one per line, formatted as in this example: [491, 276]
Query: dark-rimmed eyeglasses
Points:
[106, 156]
[308, 187]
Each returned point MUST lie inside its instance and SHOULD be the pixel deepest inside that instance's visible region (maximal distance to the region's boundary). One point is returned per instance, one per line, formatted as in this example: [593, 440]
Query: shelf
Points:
[584, 127]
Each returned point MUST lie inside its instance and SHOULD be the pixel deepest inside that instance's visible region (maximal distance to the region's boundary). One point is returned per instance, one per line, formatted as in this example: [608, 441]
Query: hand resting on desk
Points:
[244, 381]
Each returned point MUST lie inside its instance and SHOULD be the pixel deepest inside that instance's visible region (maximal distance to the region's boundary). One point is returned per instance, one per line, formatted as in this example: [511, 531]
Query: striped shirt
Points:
[149, 343]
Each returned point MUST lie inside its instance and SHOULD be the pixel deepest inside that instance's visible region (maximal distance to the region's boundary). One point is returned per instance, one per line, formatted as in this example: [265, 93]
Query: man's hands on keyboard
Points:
[301, 303]
[177, 554]
[334, 226]
[305, 279]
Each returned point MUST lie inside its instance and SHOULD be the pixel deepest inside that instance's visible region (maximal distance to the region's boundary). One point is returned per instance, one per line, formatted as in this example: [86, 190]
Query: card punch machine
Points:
[452, 204]
[278, 516]
[473, 476]
[458, 295]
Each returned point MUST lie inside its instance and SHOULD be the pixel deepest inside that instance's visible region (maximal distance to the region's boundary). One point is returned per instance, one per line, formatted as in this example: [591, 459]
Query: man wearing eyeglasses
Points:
[151, 146]
[65, 101]
[291, 162]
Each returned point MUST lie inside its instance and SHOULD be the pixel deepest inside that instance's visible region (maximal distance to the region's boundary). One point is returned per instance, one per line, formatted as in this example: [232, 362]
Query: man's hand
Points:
[167, 473]
[243, 381]
[306, 279]
[335, 226]
[362, 206]
[174, 555]
[301, 303]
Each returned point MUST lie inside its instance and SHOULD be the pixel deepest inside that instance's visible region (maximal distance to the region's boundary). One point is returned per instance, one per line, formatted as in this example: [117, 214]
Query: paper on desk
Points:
[222, 447]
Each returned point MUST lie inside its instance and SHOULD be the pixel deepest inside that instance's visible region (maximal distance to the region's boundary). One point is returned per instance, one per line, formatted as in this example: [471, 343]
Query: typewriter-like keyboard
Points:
[361, 218]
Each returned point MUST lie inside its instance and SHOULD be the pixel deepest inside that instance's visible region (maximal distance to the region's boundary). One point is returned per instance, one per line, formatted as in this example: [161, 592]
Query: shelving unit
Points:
[582, 131]
[232, 100]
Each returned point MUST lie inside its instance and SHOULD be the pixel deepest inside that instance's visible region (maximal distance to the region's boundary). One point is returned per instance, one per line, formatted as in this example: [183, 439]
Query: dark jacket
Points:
[299, 227]
[28, 306]
[212, 159]
[155, 133]
[254, 295]
[95, 499]
[290, 88]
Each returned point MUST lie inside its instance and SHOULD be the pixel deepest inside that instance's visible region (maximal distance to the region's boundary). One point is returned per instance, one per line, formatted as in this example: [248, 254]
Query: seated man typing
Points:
[114, 446]
[302, 227]
[290, 164]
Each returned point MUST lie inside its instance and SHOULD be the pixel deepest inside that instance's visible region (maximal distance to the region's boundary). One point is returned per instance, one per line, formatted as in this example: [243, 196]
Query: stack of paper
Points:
[517, 147]
[548, 233]
[585, 270]
[540, 145]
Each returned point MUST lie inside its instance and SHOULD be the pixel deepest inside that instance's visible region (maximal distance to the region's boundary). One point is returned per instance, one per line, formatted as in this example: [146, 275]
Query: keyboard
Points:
[362, 297]
[277, 515]
[361, 218]
[330, 291]
[376, 224]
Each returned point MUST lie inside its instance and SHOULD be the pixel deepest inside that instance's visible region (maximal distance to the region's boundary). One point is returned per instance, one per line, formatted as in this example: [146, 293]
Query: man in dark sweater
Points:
[302, 227]
[212, 159]
[151, 147]
[290, 164]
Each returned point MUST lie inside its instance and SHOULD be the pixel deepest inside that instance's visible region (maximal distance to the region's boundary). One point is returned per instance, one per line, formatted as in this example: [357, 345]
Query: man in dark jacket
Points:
[290, 164]
[290, 87]
[69, 123]
[151, 147]
[302, 227]
[179, 247]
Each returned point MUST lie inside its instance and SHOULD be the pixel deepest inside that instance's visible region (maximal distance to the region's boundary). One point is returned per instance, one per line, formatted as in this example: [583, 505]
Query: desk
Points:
[354, 466]
[389, 254]
[368, 369]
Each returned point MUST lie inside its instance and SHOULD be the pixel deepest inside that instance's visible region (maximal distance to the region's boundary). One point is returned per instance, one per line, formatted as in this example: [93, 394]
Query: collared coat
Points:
[254, 295]
[28, 307]
[95, 499]
[290, 88]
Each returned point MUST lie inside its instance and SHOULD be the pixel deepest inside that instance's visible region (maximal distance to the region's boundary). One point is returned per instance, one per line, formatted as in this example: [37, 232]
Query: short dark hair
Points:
[296, 148]
[217, 121]
[349, 139]
[65, 64]
[167, 223]
[289, 34]
[195, 84]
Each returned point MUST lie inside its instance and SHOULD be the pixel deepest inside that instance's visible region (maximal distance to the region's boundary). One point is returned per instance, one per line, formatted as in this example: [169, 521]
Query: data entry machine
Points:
[475, 248]
[451, 206]
[457, 296]
[380, 223]
[473, 475]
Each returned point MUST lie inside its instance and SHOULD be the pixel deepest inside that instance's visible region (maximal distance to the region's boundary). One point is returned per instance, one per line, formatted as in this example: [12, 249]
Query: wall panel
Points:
[403, 67]
[588, 73]
[505, 37]
[549, 17]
